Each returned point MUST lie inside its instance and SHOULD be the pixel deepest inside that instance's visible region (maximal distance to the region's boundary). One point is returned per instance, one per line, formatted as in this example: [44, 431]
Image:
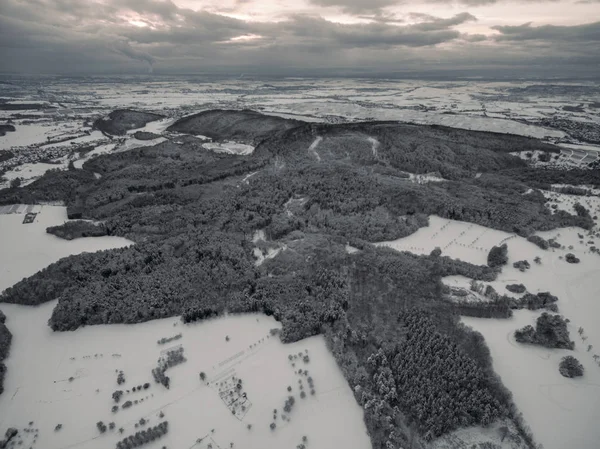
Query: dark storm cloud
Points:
[165, 9]
[475, 3]
[357, 6]
[86, 36]
[577, 33]
[431, 23]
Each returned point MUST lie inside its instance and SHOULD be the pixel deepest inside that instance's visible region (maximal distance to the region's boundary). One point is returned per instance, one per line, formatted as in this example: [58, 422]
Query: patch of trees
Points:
[581, 211]
[117, 395]
[5, 340]
[170, 359]
[516, 288]
[11, 432]
[241, 126]
[120, 121]
[522, 265]
[166, 340]
[550, 331]
[544, 178]
[496, 308]
[539, 241]
[145, 436]
[498, 256]
[78, 228]
[5, 155]
[55, 185]
[541, 300]
[144, 135]
[570, 367]
[428, 376]
[571, 258]
[572, 190]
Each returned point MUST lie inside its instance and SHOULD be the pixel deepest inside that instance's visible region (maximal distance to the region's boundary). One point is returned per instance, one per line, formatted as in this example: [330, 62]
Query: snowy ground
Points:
[229, 147]
[194, 409]
[27, 248]
[68, 378]
[561, 412]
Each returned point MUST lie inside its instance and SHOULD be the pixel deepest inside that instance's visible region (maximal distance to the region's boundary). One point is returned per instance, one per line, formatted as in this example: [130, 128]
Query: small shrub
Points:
[571, 258]
[272, 426]
[570, 367]
[117, 395]
[516, 288]
[539, 241]
[522, 265]
[58, 427]
[498, 256]
[101, 426]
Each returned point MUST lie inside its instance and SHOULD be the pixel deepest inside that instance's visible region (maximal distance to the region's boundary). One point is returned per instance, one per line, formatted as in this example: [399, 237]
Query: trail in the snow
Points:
[313, 148]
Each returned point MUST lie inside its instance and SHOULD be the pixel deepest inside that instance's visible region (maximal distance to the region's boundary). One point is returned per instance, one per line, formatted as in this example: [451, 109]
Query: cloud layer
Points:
[294, 37]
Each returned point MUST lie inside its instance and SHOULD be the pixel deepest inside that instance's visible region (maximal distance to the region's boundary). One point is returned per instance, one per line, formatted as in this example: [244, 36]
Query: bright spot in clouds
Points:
[246, 37]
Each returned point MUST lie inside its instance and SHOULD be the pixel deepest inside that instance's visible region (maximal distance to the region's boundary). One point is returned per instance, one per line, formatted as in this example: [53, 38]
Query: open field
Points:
[26, 248]
[239, 346]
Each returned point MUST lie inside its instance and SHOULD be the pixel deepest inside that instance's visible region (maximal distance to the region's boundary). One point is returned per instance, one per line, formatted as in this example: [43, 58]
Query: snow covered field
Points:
[561, 412]
[239, 346]
[69, 378]
[27, 248]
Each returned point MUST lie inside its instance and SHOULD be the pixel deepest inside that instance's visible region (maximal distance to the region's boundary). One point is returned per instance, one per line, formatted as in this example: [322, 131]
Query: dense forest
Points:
[75, 229]
[5, 339]
[192, 213]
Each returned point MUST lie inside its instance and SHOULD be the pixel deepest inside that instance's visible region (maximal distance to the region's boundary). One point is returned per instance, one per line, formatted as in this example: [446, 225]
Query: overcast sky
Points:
[288, 37]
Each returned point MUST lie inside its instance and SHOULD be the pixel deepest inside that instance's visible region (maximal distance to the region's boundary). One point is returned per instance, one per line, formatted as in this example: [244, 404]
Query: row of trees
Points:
[5, 340]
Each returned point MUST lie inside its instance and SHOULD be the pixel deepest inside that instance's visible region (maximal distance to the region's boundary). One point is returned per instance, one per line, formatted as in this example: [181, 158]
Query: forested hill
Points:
[312, 189]
[242, 126]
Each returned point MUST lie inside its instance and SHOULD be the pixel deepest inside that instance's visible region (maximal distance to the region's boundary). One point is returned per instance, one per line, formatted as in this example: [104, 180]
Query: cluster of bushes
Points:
[522, 265]
[166, 340]
[171, 358]
[550, 331]
[117, 395]
[144, 436]
[516, 288]
[539, 241]
[529, 300]
[570, 367]
[541, 300]
[77, 228]
[498, 256]
[571, 258]
[5, 340]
